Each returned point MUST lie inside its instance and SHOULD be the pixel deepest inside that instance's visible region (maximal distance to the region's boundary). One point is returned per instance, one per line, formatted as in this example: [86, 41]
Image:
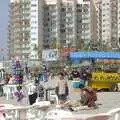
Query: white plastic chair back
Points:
[115, 113]
[1, 116]
[6, 91]
[8, 110]
[99, 117]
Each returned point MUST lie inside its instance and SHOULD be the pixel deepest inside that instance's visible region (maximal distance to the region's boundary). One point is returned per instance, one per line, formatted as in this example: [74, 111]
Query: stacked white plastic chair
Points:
[9, 90]
[6, 92]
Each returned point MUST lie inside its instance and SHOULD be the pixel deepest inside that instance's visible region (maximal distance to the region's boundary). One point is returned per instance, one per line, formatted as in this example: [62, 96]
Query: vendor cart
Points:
[100, 79]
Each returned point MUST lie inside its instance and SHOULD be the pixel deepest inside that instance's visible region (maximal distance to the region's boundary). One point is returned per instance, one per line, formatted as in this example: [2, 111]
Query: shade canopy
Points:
[94, 55]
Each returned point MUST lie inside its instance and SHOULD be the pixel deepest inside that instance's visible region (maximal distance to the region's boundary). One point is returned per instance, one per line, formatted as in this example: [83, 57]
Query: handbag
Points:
[66, 91]
[57, 90]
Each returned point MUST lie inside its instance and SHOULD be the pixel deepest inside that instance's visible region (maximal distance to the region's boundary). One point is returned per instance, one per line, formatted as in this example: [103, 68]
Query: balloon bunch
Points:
[18, 74]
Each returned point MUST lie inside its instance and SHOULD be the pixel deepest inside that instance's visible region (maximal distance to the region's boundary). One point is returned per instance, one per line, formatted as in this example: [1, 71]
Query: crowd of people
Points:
[36, 90]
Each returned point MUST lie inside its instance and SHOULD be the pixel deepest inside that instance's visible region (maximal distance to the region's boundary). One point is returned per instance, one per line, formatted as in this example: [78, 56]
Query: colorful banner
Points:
[17, 72]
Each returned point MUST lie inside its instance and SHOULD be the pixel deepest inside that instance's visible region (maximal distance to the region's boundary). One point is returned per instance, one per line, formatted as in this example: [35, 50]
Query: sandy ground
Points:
[106, 100]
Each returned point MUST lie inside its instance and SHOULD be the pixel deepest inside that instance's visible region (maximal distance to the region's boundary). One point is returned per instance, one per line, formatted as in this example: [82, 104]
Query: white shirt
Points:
[31, 89]
[62, 86]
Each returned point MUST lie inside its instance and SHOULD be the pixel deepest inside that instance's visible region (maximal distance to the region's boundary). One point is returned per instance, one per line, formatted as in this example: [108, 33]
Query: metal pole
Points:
[3, 62]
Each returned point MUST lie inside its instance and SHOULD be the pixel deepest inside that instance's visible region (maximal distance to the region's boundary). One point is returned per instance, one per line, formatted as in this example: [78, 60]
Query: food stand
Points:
[100, 79]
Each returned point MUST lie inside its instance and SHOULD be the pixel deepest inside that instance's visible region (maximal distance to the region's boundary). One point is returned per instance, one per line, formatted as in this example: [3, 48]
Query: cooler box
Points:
[77, 84]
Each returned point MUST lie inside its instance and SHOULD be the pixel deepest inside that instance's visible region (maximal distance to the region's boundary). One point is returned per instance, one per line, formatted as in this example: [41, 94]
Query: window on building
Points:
[103, 20]
[62, 30]
[48, 19]
[69, 9]
[79, 10]
[33, 33]
[33, 38]
[104, 4]
[79, 5]
[33, 11]
[103, 15]
[34, 22]
[33, 5]
[63, 9]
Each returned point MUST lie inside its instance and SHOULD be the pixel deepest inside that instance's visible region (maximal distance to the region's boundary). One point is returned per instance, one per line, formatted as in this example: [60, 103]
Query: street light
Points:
[3, 59]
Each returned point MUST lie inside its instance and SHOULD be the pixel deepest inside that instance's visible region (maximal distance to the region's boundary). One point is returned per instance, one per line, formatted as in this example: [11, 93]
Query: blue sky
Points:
[3, 23]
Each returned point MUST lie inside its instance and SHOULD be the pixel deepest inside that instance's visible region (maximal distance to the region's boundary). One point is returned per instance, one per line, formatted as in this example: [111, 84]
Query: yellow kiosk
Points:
[104, 80]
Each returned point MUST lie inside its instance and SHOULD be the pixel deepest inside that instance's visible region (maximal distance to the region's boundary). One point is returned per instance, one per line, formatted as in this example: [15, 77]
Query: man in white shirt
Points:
[32, 93]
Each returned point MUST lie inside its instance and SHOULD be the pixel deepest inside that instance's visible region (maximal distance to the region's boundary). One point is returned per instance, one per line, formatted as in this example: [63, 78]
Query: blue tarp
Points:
[94, 55]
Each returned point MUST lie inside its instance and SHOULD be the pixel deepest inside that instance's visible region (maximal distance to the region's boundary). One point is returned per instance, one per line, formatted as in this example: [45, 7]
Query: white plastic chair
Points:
[9, 90]
[1, 116]
[6, 92]
[54, 96]
[8, 109]
[115, 113]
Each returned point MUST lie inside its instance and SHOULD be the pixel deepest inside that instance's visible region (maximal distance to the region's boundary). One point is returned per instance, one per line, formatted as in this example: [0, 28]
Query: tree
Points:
[80, 44]
[53, 43]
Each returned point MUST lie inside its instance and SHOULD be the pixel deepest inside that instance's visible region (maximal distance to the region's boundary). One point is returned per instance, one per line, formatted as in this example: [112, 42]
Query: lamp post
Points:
[26, 65]
[3, 58]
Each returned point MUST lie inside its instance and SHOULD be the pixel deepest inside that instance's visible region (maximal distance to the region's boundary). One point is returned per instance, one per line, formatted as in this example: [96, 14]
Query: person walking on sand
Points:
[62, 90]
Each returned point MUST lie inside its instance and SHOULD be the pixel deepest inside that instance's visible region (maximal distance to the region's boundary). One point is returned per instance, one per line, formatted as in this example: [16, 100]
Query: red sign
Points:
[65, 51]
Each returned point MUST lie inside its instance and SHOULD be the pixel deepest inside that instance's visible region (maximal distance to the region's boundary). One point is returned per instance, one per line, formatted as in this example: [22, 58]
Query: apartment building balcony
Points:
[86, 21]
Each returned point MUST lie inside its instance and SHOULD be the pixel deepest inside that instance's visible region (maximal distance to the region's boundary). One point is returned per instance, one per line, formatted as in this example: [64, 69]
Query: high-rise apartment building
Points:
[19, 29]
[108, 26]
[66, 23]
[36, 28]
[59, 23]
[118, 24]
[41, 24]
